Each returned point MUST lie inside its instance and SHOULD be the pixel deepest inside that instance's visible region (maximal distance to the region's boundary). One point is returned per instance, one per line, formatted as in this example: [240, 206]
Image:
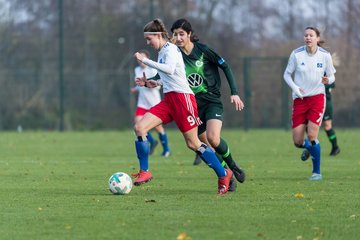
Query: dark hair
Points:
[186, 26]
[146, 52]
[317, 31]
[157, 25]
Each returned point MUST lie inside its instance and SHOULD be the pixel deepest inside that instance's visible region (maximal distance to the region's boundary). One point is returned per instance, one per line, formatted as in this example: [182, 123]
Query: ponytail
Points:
[157, 26]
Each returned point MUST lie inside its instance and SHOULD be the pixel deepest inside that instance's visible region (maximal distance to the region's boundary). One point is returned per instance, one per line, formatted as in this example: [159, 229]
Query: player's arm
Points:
[329, 78]
[222, 64]
[167, 67]
[287, 76]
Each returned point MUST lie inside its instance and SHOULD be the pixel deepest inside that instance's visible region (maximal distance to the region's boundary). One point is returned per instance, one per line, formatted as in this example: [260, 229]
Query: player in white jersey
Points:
[178, 105]
[312, 68]
[147, 98]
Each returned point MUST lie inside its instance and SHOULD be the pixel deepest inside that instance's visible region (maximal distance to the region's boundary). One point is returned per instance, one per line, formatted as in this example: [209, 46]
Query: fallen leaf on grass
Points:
[353, 216]
[183, 236]
[298, 195]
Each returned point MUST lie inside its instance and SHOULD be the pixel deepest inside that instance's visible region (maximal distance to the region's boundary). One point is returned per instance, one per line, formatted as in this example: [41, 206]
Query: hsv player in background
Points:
[178, 105]
[147, 98]
[202, 64]
[312, 67]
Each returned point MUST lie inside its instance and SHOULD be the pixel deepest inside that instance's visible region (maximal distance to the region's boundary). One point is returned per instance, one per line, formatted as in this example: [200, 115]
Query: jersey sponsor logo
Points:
[195, 79]
[319, 65]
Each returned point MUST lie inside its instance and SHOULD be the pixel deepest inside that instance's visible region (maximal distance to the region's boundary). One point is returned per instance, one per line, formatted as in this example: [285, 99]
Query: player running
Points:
[178, 105]
[309, 64]
[202, 64]
[147, 98]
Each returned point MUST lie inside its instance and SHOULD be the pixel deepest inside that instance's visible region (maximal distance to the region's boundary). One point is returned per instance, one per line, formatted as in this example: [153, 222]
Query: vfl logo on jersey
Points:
[195, 80]
[302, 64]
[319, 65]
[199, 63]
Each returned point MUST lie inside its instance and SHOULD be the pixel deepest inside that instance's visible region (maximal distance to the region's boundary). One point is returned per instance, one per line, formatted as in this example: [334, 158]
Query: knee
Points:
[312, 137]
[191, 145]
[139, 129]
[214, 141]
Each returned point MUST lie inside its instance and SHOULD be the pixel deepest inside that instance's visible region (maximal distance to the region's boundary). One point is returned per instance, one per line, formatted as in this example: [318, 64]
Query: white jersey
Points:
[148, 97]
[309, 70]
[171, 69]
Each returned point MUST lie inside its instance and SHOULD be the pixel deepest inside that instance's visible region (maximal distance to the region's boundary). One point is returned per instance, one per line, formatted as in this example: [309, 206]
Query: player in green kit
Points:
[201, 65]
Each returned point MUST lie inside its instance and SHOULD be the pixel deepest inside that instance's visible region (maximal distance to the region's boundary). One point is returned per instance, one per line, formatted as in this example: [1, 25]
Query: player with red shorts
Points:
[178, 105]
[312, 67]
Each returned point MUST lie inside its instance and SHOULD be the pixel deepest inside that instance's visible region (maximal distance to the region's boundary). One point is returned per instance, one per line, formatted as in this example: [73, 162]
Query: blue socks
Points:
[315, 155]
[307, 144]
[150, 138]
[142, 150]
[314, 149]
[211, 160]
[164, 141]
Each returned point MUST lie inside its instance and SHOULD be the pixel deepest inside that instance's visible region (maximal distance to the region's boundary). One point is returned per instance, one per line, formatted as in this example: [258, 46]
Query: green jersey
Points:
[202, 73]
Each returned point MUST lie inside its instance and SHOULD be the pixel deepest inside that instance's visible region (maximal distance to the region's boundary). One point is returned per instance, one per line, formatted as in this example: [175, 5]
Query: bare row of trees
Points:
[101, 36]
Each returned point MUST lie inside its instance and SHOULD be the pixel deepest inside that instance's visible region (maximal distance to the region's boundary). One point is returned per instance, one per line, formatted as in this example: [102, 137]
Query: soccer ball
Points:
[120, 183]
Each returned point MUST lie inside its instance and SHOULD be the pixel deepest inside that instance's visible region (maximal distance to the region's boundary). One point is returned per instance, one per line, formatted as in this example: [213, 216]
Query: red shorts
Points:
[140, 111]
[178, 107]
[308, 109]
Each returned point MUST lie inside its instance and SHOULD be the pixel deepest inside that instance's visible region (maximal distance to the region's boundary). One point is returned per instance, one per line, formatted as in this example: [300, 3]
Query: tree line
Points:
[100, 37]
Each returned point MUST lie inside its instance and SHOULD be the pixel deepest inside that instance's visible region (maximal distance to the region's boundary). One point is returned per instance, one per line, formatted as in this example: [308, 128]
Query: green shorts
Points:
[328, 114]
[209, 110]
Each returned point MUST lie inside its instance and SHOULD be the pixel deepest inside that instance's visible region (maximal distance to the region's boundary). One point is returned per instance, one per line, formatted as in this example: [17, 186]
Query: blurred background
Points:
[68, 64]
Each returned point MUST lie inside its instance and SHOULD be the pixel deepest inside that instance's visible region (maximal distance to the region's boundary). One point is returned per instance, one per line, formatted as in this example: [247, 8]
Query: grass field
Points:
[54, 186]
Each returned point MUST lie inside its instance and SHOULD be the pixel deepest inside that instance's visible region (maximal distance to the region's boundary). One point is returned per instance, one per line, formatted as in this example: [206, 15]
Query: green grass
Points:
[54, 186]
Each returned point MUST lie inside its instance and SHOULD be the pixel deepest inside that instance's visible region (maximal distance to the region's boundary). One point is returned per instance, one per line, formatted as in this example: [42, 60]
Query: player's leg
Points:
[330, 132]
[209, 157]
[213, 130]
[152, 142]
[201, 129]
[186, 117]
[139, 113]
[141, 128]
[299, 122]
[164, 140]
[315, 116]
[203, 138]
[315, 150]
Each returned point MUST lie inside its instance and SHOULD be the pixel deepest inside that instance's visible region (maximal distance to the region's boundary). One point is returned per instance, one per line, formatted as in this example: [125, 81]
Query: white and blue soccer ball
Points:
[120, 183]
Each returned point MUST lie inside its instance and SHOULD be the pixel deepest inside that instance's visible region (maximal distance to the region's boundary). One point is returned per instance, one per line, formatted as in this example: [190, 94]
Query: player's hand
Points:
[141, 81]
[299, 92]
[133, 90]
[239, 105]
[325, 80]
[140, 57]
[151, 83]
